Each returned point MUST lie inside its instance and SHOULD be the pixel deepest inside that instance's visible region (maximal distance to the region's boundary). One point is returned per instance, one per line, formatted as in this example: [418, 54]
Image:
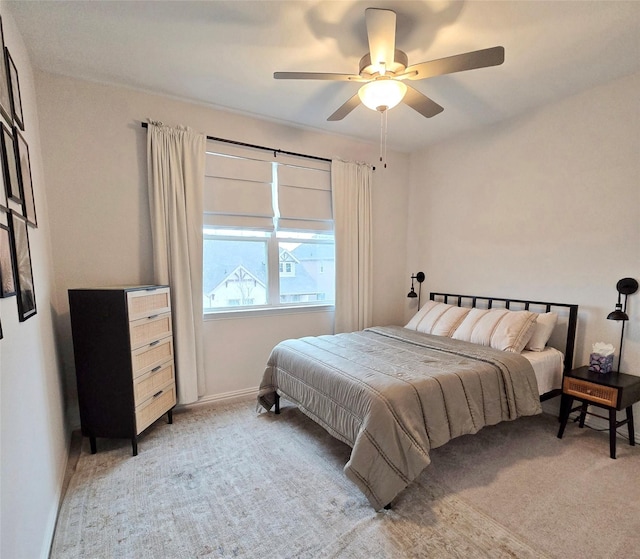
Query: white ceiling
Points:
[224, 53]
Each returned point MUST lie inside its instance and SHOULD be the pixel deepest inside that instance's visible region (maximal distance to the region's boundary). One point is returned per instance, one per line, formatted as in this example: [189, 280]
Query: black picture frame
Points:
[16, 97]
[10, 165]
[5, 87]
[7, 274]
[4, 203]
[23, 163]
[22, 266]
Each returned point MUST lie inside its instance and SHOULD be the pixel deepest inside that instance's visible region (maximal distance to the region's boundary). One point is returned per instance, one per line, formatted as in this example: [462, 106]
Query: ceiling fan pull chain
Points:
[381, 132]
[385, 138]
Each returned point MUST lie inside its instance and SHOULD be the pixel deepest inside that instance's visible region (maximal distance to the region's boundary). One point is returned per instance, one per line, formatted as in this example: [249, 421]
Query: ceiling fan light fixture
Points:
[382, 94]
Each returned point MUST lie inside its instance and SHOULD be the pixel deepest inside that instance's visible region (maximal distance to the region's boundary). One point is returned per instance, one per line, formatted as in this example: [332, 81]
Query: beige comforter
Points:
[393, 394]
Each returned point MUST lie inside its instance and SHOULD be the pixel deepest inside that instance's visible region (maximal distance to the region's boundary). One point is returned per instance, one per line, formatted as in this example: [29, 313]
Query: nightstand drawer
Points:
[596, 393]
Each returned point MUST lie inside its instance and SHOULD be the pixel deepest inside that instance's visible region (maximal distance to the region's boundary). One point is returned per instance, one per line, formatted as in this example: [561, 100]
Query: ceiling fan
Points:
[384, 69]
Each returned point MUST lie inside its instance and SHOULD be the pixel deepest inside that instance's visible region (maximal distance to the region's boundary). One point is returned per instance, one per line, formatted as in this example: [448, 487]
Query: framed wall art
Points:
[3, 189]
[24, 174]
[16, 98]
[10, 165]
[7, 277]
[5, 91]
[22, 266]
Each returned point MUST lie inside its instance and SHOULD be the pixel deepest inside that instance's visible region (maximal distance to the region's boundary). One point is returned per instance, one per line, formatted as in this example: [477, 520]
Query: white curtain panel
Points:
[176, 167]
[351, 185]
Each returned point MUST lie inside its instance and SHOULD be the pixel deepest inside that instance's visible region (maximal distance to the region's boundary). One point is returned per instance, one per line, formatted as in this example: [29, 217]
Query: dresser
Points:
[123, 349]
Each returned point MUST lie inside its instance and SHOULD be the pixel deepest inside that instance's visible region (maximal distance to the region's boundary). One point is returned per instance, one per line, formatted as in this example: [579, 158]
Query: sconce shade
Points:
[381, 95]
[618, 314]
[412, 293]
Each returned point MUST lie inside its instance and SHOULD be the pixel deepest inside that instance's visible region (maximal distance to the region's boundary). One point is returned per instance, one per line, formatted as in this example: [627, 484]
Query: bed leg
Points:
[387, 506]
[277, 403]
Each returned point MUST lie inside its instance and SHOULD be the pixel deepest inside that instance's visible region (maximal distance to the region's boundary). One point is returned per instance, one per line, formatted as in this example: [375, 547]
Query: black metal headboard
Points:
[477, 301]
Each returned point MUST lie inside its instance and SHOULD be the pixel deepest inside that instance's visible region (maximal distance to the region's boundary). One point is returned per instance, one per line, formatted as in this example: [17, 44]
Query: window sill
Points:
[267, 311]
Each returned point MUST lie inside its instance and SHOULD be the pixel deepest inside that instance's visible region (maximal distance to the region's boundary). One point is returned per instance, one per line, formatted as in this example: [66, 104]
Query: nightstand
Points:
[611, 391]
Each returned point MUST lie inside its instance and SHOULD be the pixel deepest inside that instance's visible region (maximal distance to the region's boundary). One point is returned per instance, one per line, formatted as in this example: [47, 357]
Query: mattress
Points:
[547, 366]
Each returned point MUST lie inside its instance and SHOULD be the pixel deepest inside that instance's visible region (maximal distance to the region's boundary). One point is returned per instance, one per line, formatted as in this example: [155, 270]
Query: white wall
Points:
[95, 159]
[545, 207]
[34, 441]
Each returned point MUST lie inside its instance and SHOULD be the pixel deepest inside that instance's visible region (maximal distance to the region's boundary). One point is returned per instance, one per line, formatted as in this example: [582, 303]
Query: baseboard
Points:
[243, 394]
[50, 527]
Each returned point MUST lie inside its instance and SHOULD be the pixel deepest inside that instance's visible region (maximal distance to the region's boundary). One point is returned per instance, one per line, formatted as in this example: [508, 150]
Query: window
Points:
[268, 231]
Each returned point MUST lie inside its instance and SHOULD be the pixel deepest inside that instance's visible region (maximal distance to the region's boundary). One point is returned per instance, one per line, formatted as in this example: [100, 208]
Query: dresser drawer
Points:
[590, 391]
[148, 357]
[152, 409]
[147, 330]
[148, 384]
[143, 303]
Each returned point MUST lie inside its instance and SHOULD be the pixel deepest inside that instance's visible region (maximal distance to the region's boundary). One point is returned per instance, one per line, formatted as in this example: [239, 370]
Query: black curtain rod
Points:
[243, 144]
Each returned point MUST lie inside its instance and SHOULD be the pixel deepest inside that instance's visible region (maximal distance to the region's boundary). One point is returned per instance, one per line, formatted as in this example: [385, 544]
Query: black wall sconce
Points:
[419, 277]
[626, 286]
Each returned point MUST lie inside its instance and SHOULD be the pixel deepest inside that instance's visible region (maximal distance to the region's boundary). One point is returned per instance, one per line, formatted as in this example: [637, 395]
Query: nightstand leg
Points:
[565, 409]
[92, 443]
[583, 414]
[612, 433]
[632, 433]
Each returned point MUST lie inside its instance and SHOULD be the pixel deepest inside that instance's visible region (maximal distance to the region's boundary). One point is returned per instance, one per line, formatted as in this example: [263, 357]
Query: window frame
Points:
[315, 223]
[272, 242]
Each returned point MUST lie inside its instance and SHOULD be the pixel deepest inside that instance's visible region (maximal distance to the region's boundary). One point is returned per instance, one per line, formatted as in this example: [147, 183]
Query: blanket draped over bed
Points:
[393, 394]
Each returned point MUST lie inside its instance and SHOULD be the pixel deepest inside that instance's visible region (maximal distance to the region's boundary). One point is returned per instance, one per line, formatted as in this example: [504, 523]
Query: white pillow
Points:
[464, 331]
[498, 328]
[415, 320]
[545, 323]
[438, 319]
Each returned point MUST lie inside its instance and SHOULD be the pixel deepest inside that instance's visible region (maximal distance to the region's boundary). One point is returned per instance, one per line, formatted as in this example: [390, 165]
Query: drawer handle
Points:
[156, 368]
[157, 394]
[154, 343]
[152, 317]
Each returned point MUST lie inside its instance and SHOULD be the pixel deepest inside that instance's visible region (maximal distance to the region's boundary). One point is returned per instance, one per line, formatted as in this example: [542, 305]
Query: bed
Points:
[394, 393]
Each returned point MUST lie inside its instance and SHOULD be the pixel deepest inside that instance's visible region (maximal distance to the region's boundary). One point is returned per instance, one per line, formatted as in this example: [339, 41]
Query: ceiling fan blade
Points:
[345, 109]
[421, 103]
[381, 32]
[315, 76]
[458, 63]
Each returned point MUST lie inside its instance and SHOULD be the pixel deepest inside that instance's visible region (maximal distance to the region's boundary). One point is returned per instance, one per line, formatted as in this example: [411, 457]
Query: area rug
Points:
[226, 481]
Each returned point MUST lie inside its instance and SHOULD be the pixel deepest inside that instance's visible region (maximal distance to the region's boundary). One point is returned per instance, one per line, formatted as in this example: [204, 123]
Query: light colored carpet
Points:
[568, 497]
[225, 481]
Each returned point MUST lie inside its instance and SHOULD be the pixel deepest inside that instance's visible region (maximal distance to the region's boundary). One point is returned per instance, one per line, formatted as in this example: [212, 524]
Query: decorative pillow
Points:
[498, 328]
[438, 319]
[545, 323]
[464, 331]
[415, 320]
